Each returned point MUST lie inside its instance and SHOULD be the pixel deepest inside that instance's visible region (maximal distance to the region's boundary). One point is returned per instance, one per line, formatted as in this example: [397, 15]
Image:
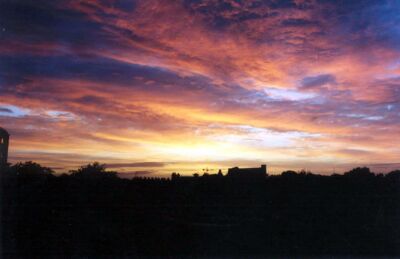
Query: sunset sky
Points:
[150, 87]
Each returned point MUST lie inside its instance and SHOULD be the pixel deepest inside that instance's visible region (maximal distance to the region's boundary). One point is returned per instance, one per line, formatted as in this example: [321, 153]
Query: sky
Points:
[149, 87]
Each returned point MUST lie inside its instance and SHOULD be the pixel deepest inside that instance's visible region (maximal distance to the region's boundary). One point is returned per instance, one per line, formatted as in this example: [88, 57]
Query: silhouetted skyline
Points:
[91, 213]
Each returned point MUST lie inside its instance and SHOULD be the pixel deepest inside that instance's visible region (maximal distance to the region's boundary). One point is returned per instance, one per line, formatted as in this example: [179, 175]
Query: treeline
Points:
[91, 212]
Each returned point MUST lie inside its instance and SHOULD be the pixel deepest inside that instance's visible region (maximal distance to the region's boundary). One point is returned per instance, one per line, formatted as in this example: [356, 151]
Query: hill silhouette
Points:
[91, 212]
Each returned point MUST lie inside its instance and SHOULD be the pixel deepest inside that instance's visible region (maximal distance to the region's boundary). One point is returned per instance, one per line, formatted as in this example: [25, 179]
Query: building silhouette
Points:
[233, 173]
[4, 141]
[258, 172]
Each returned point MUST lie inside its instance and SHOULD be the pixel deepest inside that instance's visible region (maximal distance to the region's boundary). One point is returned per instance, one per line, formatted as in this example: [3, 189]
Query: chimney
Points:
[264, 169]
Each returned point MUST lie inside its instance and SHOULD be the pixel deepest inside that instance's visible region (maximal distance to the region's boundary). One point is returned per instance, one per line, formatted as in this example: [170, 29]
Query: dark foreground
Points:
[295, 214]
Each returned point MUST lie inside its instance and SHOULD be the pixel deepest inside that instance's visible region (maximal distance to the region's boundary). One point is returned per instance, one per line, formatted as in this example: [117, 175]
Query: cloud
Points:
[317, 81]
[298, 22]
[5, 110]
[137, 164]
[126, 81]
[357, 152]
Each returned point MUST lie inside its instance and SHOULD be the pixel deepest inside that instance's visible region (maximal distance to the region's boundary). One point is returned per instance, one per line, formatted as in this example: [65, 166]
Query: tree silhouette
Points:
[30, 171]
[94, 170]
[31, 168]
[289, 173]
[359, 172]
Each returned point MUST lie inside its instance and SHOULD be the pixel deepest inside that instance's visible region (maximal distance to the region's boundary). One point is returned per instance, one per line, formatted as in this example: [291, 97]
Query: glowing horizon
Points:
[151, 87]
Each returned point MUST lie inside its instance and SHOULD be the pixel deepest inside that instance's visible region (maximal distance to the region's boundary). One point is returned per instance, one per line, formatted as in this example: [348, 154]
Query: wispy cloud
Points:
[137, 164]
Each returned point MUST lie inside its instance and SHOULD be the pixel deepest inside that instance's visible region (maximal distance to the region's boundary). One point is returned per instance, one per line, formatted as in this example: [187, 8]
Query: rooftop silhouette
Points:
[248, 172]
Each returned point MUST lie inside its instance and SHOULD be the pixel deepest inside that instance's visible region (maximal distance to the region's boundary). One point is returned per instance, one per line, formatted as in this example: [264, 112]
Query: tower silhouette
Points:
[4, 140]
